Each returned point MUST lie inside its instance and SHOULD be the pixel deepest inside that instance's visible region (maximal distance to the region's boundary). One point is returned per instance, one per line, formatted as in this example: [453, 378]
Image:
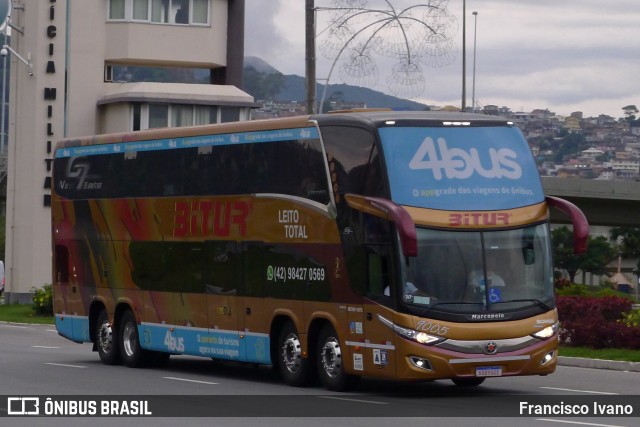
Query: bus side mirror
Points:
[579, 221]
[388, 210]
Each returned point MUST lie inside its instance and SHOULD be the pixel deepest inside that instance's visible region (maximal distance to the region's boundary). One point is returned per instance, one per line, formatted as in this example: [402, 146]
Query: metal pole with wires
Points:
[473, 94]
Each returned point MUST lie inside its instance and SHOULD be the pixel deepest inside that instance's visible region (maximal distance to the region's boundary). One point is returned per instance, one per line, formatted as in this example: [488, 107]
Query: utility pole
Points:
[464, 55]
[310, 55]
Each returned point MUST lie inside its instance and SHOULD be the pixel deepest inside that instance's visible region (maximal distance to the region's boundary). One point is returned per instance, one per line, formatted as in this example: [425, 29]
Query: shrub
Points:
[571, 289]
[43, 301]
[597, 322]
[632, 318]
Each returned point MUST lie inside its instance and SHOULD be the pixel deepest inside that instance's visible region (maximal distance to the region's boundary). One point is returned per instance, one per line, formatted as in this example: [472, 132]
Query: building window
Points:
[137, 108]
[230, 114]
[205, 115]
[116, 9]
[179, 12]
[151, 116]
[200, 12]
[182, 11]
[158, 116]
[141, 10]
[181, 115]
[160, 11]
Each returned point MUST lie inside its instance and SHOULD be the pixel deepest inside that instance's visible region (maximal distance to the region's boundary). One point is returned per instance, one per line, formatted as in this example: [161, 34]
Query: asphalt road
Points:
[35, 361]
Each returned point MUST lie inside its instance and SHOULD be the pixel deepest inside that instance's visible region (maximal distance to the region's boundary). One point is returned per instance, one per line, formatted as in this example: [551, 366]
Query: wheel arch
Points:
[94, 311]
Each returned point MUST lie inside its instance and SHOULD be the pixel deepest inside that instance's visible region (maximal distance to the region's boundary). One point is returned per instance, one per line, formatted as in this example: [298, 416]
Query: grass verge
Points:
[603, 353]
[22, 313]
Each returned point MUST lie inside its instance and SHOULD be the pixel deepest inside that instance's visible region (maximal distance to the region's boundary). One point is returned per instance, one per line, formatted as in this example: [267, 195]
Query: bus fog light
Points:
[421, 363]
[547, 358]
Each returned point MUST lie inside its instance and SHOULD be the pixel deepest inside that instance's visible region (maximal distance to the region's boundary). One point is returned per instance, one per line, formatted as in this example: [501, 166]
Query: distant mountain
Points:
[293, 89]
[259, 65]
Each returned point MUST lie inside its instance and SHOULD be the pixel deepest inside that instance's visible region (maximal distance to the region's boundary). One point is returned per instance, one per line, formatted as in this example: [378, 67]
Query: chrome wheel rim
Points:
[129, 339]
[331, 357]
[105, 337]
[291, 354]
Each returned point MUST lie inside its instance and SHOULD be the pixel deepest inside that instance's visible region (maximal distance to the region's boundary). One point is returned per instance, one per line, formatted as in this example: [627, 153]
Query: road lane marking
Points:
[64, 365]
[578, 391]
[353, 400]
[6, 325]
[42, 346]
[189, 381]
[551, 420]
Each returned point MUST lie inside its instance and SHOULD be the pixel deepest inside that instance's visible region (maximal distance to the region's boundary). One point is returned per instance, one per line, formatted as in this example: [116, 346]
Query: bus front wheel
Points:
[132, 354]
[106, 336]
[293, 367]
[330, 362]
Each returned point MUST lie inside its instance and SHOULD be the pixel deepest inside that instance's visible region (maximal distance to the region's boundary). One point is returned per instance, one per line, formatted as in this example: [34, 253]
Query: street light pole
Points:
[464, 55]
[310, 51]
[473, 95]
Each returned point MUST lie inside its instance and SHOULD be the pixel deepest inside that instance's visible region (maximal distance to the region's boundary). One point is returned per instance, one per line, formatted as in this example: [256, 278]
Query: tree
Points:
[630, 112]
[571, 143]
[563, 255]
[599, 253]
[629, 243]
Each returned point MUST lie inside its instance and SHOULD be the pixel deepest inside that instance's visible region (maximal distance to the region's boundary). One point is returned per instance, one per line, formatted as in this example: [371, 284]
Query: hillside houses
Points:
[575, 146]
[601, 147]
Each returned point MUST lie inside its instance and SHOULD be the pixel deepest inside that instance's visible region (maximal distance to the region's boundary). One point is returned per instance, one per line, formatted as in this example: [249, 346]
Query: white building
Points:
[67, 90]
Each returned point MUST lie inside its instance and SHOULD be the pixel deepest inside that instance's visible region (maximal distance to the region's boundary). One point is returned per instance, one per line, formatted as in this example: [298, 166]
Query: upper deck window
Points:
[178, 12]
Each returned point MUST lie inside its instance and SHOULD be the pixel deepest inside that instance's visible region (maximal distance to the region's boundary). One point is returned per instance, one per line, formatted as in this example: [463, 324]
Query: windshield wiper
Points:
[533, 300]
[432, 306]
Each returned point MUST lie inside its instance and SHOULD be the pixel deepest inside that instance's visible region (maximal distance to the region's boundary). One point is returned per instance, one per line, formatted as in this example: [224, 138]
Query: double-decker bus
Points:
[397, 245]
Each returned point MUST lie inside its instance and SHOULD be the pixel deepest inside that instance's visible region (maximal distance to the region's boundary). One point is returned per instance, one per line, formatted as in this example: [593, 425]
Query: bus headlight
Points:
[413, 335]
[547, 332]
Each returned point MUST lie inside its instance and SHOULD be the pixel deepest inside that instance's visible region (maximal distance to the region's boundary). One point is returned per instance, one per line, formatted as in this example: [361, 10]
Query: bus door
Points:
[371, 265]
[223, 276]
[379, 355]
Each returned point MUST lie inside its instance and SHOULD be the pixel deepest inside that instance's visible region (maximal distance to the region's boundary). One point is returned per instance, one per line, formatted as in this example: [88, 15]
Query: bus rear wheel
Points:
[293, 367]
[132, 354]
[106, 336]
[330, 362]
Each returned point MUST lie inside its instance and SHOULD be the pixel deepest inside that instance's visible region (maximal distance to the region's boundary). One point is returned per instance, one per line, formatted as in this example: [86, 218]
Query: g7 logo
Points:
[78, 169]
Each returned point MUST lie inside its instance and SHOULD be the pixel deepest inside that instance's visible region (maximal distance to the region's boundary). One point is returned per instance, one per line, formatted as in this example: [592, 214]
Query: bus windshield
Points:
[471, 271]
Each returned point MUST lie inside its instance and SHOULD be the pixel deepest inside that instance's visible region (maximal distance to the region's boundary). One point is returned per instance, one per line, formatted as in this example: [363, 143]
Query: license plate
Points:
[489, 371]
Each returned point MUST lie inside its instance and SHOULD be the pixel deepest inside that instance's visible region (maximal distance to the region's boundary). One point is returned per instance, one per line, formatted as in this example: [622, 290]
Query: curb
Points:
[613, 365]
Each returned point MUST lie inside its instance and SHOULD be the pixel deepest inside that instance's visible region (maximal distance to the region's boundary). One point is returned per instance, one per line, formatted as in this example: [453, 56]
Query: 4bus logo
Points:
[204, 218]
[458, 163]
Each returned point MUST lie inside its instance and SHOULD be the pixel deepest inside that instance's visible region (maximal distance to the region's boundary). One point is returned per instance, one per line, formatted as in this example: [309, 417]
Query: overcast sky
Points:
[571, 55]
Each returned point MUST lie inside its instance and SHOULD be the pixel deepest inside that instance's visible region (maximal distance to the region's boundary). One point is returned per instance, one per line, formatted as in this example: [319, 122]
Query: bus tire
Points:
[468, 382]
[132, 354]
[294, 369]
[106, 337]
[330, 362]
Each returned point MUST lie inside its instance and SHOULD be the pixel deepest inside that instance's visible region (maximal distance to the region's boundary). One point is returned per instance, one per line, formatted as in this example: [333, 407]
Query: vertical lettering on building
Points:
[50, 95]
